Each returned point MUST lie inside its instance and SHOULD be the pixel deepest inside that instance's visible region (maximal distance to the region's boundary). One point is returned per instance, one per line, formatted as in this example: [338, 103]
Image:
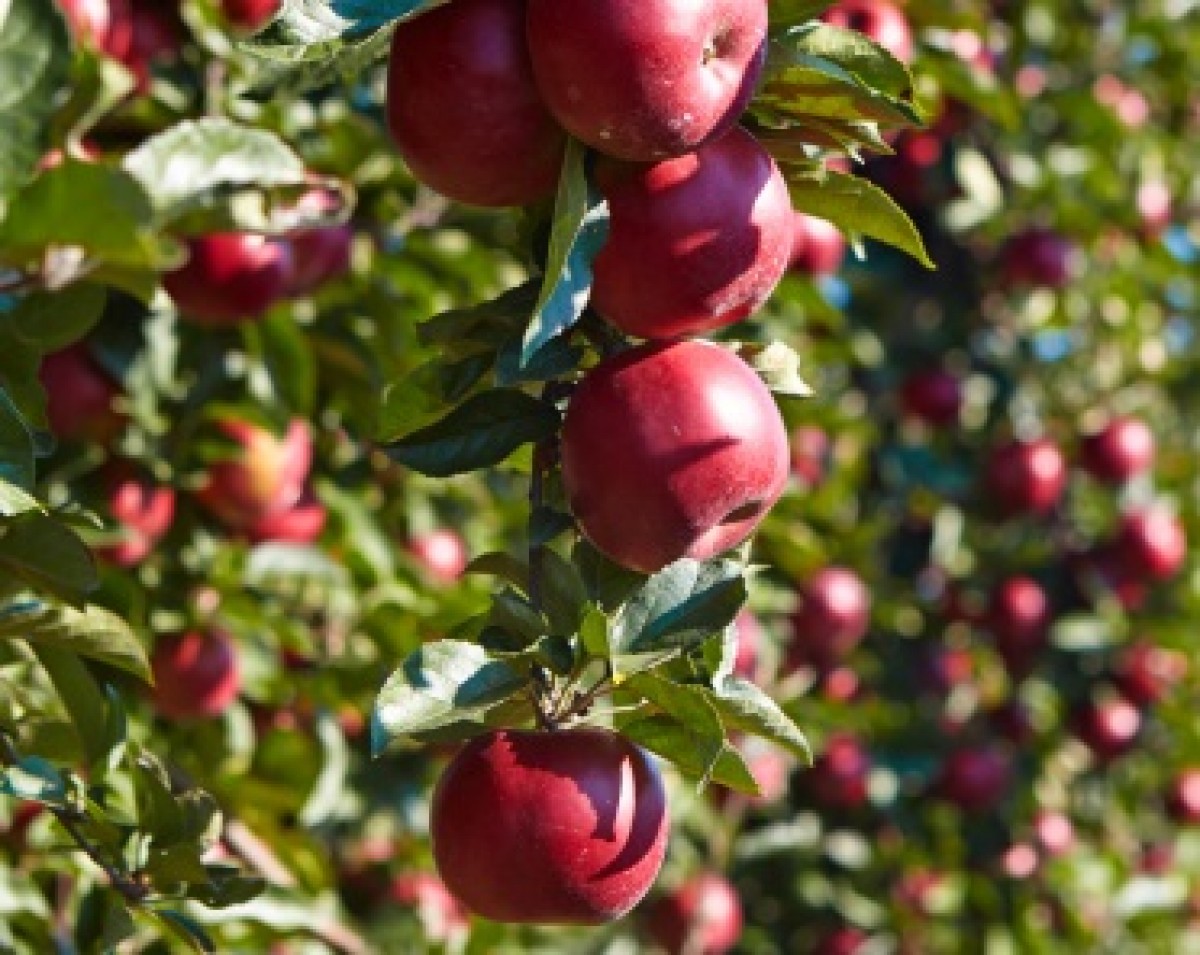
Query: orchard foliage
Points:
[283, 517]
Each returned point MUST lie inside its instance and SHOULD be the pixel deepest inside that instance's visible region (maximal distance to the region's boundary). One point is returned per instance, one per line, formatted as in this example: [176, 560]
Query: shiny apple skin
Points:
[568, 827]
[230, 277]
[196, 675]
[695, 243]
[1151, 544]
[463, 108]
[647, 80]
[818, 246]
[671, 450]
[833, 616]
[1026, 477]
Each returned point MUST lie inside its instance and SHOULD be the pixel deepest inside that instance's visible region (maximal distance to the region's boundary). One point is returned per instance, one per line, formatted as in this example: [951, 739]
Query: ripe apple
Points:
[1145, 673]
[975, 779]
[1019, 617]
[703, 916]
[441, 553]
[230, 277]
[250, 16]
[1026, 477]
[879, 20]
[301, 523]
[442, 916]
[1152, 543]
[143, 510]
[1055, 833]
[79, 396]
[694, 243]
[1109, 726]
[1038, 257]
[319, 256]
[156, 38]
[568, 827]
[649, 80]
[833, 616]
[463, 108]
[934, 396]
[811, 453]
[1121, 450]
[750, 638]
[818, 246]
[842, 941]
[685, 436]
[263, 476]
[106, 25]
[196, 675]
[1184, 797]
[839, 775]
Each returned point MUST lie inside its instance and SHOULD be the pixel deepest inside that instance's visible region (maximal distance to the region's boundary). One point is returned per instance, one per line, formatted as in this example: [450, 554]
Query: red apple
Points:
[106, 25]
[975, 779]
[144, 512]
[79, 396]
[1026, 477]
[463, 108]
[694, 243]
[685, 436]
[818, 246]
[1184, 797]
[441, 553]
[1039, 257]
[839, 775]
[650, 79]
[1152, 543]
[442, 916]
[568, 827]
[263, 476]
[1154, 206]
[1108, 726]
[842, 941]
[750, 638]
[1122, 449]
[1055, 833]
[934, 396]
[196, 675]
[1019, 617]
[156, 38]
[302, 523]
[1145, 673]
[879, 20]
[319, 256]
[230, 277]
[811, 454]
[833, 616]
[250, 16]
[701, 917]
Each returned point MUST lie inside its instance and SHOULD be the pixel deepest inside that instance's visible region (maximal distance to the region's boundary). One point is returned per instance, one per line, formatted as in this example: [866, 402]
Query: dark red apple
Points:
[818, 246]
[264, 474]
[568, 827]
[250, 16]
[685, 436]
[701, 917]
[1145, 673]
[694, 243]
[1039, 257]
[1108, 726]
[106, 25]
[1026, 477]
[934, 396]
[1019, 617]
[750, 638]
[839, 775]
[1184, 797]
[80, 396]
[143, 511]
[230, 277]
[302, 523]
[842, 941]
[441, 553]
[196, 675]
[156, 38]
[442, 916]
[1152, 543]
[319, 256]
[463, 108]
[975, 779]
[649, 80]
[1013, 721]
[833, 616]
[1121, 450]
[879, 20]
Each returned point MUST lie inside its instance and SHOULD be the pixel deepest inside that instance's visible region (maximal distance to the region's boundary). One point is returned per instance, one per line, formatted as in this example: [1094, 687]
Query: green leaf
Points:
[440, 684]
[789, 13]
[744, 706]
[35, 779]
[680, 606]
[688, 705]
[14, 500]
[306, 22]
[673, 741]
[479, 433]
[35, 59]
[563, 594]
[81, 697]
[93, 632]
[858, 207]
[580, 228]
[16, 456]
[490, 323]
[53, 320]
[48, 557]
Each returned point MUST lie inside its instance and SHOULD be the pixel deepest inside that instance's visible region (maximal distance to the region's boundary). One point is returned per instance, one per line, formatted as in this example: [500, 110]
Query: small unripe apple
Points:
[818, 246]
[1026, 477]
[833, 616]
[975, 780]
[566, 827]
[250, 16]
[463, 108]
[1184, 797]
[301, 523]
[79, 396]
[701, 917]
[839, 776]
[1145, 673]
[1108, 726]
[685, 436]
[264, 474]
[879, 20]
[1121, 450]
[934, 396]
[442, 916]
[143, 510]
[651, 79]
[1039, 257]
[196, 675]
[1152, 543]
[695, 243]
[230, 277]
[441, 553]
